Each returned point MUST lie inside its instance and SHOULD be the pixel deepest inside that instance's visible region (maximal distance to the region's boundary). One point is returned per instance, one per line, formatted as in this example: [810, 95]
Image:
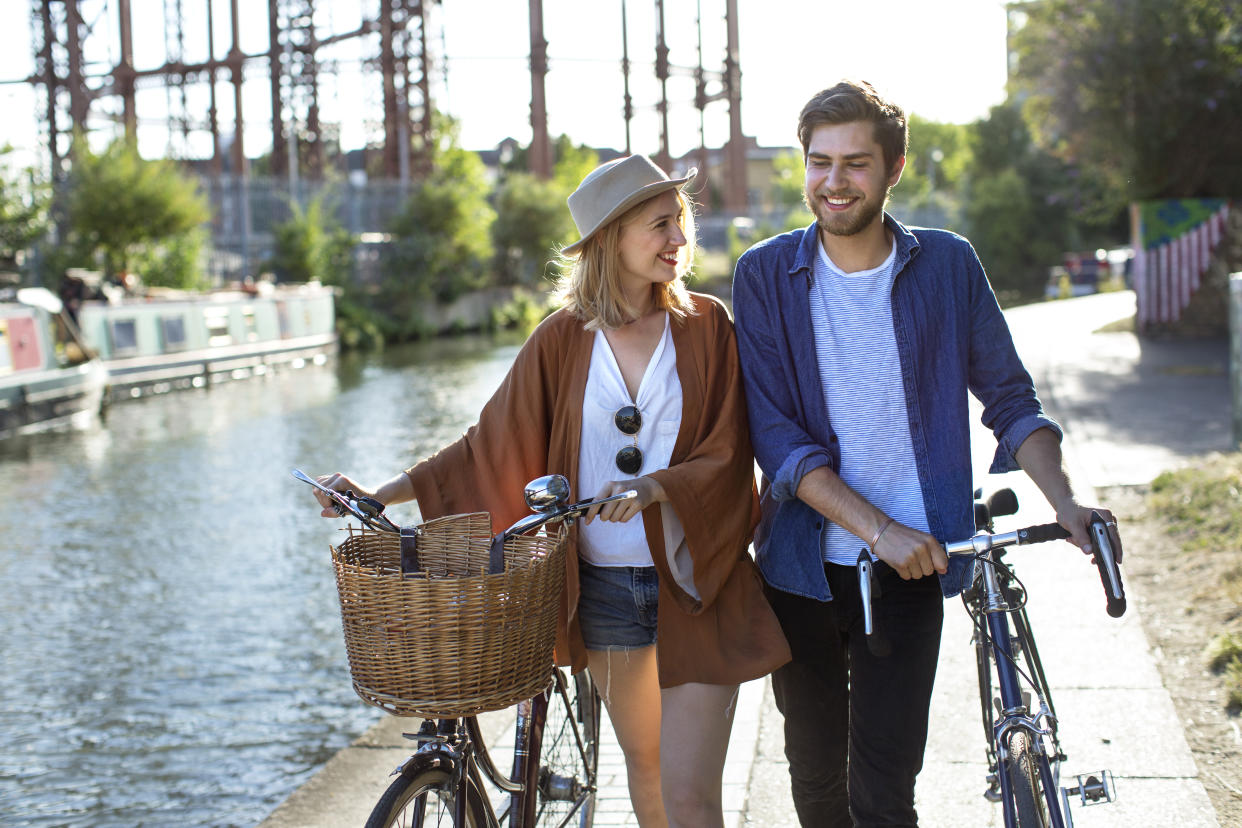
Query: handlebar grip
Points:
[1110, 570]
[1042, 533]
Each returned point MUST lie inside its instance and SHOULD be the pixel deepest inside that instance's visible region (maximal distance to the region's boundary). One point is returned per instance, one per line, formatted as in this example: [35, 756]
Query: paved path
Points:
[1131, 409]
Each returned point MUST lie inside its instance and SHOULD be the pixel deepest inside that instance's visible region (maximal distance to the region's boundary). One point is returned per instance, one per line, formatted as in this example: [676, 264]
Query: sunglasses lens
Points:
[630, 459]
[628, 420]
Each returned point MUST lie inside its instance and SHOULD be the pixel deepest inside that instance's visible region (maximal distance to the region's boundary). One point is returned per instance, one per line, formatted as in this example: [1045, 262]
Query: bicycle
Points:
[1023, 750]
[556, 740]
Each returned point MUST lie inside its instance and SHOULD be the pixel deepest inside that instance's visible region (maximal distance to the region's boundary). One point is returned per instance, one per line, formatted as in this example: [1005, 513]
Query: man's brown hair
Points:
[851, 101]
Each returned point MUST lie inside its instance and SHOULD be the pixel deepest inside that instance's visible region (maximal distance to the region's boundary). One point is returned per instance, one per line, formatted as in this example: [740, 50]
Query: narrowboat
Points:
[49, 378]
[166, 341]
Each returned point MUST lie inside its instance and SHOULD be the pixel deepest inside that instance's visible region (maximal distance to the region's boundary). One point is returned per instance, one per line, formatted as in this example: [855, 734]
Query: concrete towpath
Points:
[1131, 409]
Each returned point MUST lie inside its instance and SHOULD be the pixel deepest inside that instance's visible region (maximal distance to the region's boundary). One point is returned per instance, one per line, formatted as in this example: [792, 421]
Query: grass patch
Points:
[1202, 505]
[1223, 650]
[1201, 509]
[1120, 326]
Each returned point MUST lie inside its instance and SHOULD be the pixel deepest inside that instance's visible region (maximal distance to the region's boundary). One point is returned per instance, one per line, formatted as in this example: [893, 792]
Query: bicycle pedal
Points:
[1093, 788]
[993, 792]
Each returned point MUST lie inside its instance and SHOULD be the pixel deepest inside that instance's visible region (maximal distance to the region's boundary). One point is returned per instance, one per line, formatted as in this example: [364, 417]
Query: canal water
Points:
[172, 649]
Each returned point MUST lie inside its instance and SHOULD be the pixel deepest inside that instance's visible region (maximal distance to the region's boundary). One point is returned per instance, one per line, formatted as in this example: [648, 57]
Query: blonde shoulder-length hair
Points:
[589, 284]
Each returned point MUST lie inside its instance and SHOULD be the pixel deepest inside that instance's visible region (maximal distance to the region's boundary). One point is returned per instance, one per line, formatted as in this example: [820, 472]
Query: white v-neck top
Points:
[659, 401]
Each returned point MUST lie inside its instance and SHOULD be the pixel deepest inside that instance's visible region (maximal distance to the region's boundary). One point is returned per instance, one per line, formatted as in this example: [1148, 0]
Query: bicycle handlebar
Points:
[371, 512]
[568, 511]
[366, 509]
[1106, 561]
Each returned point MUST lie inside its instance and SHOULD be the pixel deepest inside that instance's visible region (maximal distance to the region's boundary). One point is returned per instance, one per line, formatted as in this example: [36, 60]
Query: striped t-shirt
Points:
[860, 370]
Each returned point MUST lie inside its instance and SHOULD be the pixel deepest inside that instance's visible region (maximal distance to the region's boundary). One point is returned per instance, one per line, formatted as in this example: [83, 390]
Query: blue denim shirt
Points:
[951, 338]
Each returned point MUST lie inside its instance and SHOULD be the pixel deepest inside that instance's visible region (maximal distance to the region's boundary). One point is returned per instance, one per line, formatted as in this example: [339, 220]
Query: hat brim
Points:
[637, 197]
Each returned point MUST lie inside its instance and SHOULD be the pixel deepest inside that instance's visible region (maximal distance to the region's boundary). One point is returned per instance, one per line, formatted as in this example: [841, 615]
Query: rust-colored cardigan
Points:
[532, 426]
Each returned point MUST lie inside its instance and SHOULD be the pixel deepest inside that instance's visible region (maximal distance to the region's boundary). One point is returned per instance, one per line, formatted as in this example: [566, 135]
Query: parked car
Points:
[1078, 274]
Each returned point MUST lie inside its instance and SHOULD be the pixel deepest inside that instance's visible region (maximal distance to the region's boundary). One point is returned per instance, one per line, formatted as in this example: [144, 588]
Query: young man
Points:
[859, 340]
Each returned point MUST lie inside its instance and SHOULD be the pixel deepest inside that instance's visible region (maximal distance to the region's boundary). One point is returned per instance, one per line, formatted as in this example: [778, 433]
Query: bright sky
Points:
[942, 60]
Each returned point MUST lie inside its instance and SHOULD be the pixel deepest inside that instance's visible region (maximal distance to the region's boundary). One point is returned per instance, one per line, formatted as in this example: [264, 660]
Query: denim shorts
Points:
[617, 606]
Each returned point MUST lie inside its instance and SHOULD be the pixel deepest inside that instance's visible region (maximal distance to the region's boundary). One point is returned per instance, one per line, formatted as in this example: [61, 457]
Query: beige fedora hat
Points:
[611, 189]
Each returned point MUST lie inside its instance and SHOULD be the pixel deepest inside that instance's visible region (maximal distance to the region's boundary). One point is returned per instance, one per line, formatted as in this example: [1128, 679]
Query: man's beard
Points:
[849, 224]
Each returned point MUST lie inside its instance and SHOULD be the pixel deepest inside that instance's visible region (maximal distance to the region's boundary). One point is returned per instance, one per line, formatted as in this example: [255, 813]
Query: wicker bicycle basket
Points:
[452, 640]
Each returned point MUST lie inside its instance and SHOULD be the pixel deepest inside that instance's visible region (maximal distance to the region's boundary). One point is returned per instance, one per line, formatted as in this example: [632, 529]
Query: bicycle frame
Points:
[1015, 712]
[995, 595]
[457, 747]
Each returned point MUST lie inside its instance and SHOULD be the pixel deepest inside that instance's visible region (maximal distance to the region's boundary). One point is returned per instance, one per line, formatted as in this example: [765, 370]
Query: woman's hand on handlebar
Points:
[340, 483]
[619, 511]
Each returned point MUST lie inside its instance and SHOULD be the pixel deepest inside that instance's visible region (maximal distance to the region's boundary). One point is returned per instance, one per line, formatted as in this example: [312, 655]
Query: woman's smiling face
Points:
[650, 246]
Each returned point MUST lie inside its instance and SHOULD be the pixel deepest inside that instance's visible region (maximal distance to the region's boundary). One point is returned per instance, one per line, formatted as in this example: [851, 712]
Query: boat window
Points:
[25, 349]
[252, 331]
[173, 328]
[217, 320]
[124, 337]
[6, 356]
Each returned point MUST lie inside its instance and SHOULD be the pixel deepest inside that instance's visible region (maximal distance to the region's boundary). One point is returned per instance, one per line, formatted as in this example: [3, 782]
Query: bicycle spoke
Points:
[569, 755]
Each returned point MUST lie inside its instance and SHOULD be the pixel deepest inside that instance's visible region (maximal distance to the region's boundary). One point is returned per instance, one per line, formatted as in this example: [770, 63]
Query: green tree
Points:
[570, 163]
[531, 221]
[175, 261]
[532, 218]
[1021, 205]
[311, 245]
[1144, 96]
[788, 180]
[23, 211]
[937, 158]
[441, 245]
[118, 202]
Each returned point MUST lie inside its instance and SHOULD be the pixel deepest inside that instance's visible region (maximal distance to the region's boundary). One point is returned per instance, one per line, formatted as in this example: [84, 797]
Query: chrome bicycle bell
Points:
[544, 494]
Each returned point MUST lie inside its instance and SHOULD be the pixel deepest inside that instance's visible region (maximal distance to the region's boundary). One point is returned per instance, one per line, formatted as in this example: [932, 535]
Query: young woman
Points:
[633, 384]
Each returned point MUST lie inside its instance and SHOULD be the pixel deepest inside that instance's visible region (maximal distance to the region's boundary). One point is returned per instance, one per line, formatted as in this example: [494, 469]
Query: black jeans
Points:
[855, 723]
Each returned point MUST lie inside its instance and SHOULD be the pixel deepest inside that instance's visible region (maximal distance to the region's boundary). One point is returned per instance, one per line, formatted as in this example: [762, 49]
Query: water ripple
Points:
[173, 648]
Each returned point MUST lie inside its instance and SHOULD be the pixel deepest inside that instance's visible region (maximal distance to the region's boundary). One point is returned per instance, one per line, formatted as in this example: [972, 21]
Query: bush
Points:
[310, 246]
[441, 245]
[175, 262]
[119, 202]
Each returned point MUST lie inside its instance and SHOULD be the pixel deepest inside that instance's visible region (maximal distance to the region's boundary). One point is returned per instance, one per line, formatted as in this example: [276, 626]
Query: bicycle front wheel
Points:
[569, 755]
[424, 796]
[1026, 782]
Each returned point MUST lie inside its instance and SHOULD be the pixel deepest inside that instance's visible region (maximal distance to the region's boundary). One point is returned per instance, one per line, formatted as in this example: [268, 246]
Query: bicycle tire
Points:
[422, 797]
[569, 755]
[1026, 783]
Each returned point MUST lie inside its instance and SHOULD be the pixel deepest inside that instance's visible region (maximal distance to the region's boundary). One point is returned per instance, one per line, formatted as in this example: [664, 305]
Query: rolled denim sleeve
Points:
[796, 466]
[786, 452]
[1005, 459]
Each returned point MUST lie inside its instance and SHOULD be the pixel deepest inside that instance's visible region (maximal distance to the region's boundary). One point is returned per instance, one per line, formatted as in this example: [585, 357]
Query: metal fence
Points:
[246, 212]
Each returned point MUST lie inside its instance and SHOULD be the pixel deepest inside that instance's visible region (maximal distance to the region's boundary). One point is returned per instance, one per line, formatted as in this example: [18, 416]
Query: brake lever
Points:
[869, 588]
[366, 509]
[1110, 568]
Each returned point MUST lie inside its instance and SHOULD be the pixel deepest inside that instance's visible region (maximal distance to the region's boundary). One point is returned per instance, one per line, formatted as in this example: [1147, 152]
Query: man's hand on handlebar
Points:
[911, 553]
[1077, 519]
[619, 511]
